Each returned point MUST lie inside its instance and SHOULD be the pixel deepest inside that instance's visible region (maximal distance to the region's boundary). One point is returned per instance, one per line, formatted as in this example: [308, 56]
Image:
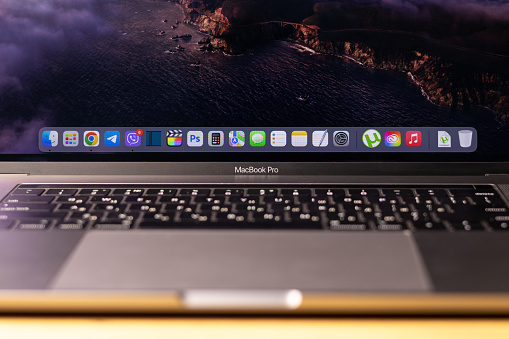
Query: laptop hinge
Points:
[25, 174]
[495, 174]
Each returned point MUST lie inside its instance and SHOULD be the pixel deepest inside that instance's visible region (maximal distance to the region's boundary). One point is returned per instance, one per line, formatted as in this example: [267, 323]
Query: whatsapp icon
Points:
[371, 138]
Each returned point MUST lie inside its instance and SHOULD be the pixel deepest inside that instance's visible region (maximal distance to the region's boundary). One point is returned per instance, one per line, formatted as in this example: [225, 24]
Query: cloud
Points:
[21, 136]
[489, 9]
[31, 28]
[29, 31]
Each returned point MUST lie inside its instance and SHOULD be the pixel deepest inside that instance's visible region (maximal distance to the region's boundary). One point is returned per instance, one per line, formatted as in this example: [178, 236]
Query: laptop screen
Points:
[345, 80]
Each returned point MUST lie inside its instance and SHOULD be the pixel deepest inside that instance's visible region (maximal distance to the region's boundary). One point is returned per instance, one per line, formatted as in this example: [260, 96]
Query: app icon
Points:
[153, 138]
[392, 139]
[278, 138]
[299, 138]
[371, 138]
[91, 138]
[444, 139]
[257, 138]
[321, 138]
[341, 138]
[466, 138]
[174, 138]
[216, 138]
[50, 138]
[413, 139]
[71, 138]
[237, 138]
[195, 138]
[112, 138]
[132, 139]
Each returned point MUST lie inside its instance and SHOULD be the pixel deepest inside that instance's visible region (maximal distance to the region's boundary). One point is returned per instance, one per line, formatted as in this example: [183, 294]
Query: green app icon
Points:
[371, 138]
[257, 138]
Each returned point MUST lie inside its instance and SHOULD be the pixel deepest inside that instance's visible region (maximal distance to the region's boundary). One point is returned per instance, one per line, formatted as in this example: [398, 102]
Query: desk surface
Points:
[247, 328]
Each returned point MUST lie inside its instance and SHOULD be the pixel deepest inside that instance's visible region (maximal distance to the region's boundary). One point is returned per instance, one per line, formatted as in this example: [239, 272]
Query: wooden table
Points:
[247, 328]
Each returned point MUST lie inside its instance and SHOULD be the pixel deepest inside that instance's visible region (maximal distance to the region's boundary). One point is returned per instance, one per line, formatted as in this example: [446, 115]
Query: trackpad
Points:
[154, 260]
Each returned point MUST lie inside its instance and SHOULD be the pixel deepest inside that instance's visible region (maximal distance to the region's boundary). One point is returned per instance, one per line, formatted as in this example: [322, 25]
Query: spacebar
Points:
[220, 225]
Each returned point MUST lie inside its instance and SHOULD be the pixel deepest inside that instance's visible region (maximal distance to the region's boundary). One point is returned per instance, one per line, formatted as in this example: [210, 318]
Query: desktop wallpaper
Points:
[281, 63]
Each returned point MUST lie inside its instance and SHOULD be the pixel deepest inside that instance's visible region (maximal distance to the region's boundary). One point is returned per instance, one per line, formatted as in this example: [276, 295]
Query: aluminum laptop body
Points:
[207, 157]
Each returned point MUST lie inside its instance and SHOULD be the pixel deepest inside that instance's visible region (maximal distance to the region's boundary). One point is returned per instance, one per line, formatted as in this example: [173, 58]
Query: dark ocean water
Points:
[127, 77]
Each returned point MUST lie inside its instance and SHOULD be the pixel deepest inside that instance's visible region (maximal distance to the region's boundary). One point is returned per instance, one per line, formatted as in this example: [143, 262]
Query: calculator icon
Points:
[216, 138]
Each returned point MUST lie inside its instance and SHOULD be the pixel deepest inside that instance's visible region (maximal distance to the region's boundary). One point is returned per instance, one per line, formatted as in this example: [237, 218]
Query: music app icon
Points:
[413, 139]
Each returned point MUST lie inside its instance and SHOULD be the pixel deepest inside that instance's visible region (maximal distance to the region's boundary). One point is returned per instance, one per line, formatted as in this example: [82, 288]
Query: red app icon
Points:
[413, 139]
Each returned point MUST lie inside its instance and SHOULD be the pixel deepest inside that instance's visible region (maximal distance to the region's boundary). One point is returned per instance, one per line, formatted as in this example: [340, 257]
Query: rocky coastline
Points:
[444, 83]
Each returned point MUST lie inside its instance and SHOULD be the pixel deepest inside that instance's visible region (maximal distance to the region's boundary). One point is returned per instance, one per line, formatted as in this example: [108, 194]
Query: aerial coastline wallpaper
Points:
[201, 63]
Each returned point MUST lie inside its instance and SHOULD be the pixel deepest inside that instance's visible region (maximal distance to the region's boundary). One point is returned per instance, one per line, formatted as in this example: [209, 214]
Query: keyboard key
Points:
[336, 225]
[362, 192]
[85, 216]
[398, 192]
[262, 192]
[462, 192]
[28, 199]
[25, 207]
[166, 216]
[468, 227]
[431, 192]
[106, 200]
[330, 192]
[61, 192]
[295, 192]
[168, 192]
[27, 191]
[110, 208]
[71, 200]
[33, 224]
[228, 192]
[112, 227]
[194, 192]
[41, 215]
[70, 226]
[391, 227]
[119, 217]
[94, 192]
[497, 226]
[209, 200]
[140, 200]
[128, 192]
[175, 200]
[74, 208]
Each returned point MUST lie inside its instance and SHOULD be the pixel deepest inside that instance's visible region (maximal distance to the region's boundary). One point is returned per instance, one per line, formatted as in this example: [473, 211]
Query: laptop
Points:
[237, 156]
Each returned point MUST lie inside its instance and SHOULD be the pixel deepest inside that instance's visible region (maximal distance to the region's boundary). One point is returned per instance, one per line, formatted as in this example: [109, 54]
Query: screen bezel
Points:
[338, 157]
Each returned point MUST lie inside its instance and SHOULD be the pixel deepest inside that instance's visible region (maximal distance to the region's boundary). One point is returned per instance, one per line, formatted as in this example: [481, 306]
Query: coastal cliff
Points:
[443, 80]
[444, 83]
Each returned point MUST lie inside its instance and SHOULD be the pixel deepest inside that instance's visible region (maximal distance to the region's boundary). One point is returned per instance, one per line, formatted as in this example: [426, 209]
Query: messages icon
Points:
[257, 138]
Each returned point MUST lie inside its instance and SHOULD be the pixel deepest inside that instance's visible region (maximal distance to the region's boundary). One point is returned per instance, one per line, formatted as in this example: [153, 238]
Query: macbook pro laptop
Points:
[254, 156]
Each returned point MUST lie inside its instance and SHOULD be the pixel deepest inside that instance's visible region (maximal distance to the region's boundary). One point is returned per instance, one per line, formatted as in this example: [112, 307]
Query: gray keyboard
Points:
[342, 208]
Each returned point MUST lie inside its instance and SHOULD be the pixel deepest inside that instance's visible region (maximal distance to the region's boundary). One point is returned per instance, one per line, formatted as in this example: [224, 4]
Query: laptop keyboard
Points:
[345, 208]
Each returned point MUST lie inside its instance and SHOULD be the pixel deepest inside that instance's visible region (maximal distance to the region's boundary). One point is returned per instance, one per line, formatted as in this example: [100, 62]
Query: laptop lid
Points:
[342, 82]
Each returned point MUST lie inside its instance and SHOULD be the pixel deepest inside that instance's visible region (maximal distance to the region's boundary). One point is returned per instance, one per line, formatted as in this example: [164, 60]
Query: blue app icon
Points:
[112, 138]
[50, 139]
